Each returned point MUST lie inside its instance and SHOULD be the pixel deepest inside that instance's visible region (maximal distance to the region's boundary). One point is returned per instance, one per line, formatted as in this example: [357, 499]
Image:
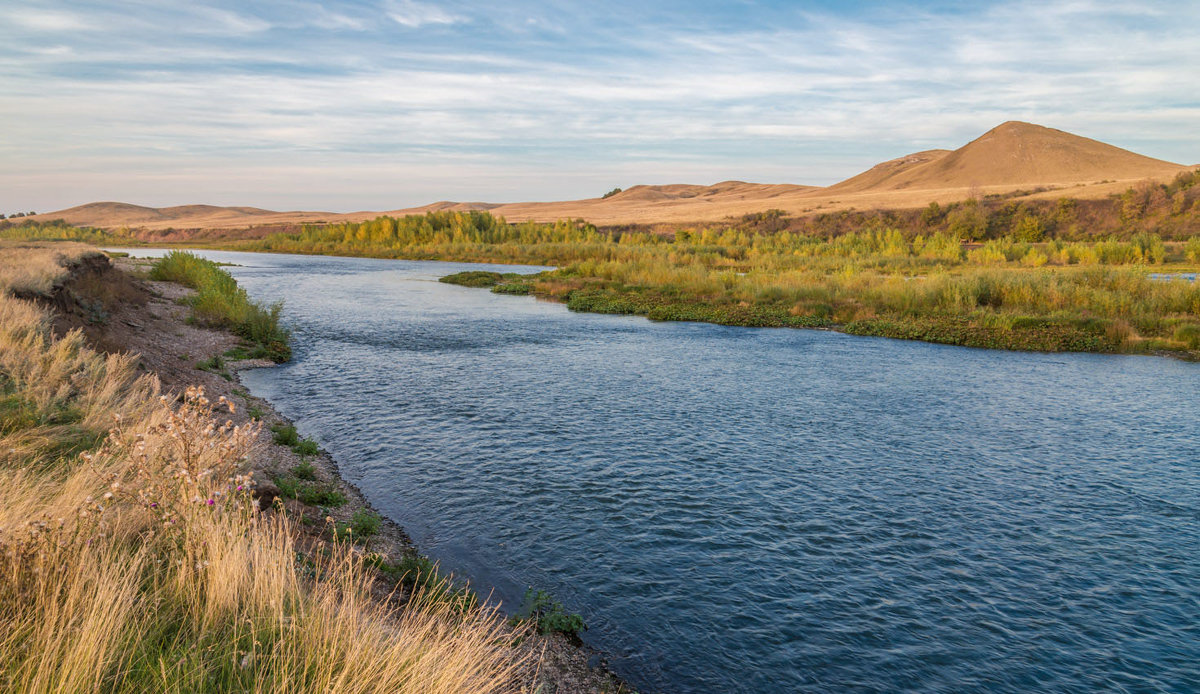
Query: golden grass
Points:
[34, 267]
[143, 564]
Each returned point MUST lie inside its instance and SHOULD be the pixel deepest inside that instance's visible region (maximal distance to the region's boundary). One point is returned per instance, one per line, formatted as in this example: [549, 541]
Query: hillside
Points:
[1011, 157]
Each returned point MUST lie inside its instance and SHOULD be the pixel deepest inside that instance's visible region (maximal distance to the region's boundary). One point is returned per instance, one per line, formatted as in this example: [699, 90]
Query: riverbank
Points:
[298, 493]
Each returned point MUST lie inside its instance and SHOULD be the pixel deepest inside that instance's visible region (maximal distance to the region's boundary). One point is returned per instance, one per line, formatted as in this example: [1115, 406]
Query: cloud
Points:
[413, 15]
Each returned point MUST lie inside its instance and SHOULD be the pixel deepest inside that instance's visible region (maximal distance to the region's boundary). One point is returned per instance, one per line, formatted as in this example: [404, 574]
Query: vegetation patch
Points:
[220, 302]
[547, 615]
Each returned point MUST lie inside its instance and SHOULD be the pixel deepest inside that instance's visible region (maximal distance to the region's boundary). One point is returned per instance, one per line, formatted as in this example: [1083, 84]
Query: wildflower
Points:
[210, 502]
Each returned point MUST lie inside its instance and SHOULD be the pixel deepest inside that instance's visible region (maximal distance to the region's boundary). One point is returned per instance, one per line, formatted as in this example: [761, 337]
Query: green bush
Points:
[306, 447]
[285, 434]
[311, 493]
[305, 471]
[473, 278]
[1189, 334]
[548, 615]
[362, 526]
[220, 302]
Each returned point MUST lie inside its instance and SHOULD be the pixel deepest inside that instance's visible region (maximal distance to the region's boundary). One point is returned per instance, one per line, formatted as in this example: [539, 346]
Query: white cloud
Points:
[413, 14]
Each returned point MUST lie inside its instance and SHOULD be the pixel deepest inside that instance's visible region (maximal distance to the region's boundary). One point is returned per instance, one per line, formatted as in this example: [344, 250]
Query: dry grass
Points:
[34, 267]
[143, 564]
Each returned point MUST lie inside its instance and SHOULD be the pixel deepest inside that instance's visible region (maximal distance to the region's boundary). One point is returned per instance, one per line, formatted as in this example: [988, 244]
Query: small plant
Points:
[255, 412]
[311, 493]
[306, 447]
[362, 526]
[305, 471]
[285, 434]
[214, 364]
[548, 615]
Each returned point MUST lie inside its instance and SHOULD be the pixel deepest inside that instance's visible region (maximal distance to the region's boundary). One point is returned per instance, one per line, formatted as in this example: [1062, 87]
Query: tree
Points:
[1029, 229]
[610, 193]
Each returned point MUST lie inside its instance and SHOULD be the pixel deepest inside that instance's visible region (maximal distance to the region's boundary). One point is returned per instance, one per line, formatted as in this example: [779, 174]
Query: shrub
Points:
[220, 302]
[547, 615]
[1189, 334]
[306, 447]
[362, 526]
[311, 493]
[305, 471]
[285, 434]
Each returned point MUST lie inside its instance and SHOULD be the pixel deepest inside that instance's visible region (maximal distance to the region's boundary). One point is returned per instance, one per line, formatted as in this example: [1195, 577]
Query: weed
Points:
[547, 615]
[363, 525]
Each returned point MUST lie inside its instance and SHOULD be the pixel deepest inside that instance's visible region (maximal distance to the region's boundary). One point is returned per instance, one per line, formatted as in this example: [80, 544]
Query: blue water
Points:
[765, 510]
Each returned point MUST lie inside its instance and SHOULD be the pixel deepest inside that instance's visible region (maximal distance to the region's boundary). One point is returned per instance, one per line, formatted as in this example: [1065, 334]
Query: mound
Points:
[1013, 154]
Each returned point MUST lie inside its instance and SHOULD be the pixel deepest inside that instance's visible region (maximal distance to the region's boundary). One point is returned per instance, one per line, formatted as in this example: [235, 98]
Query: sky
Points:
[385, 104]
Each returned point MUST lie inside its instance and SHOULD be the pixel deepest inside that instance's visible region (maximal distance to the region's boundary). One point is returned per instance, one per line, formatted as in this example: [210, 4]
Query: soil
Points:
[119, 310]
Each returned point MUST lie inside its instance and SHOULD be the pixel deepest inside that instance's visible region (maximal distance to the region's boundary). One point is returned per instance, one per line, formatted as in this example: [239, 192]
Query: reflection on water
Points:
[765, 510]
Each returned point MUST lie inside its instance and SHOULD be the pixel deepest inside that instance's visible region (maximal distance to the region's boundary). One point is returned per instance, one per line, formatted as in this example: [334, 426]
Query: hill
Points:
[1014, 158]
[1011, 154]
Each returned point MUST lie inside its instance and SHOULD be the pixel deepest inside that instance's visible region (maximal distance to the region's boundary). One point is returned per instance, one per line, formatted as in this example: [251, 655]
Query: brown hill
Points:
[1012, 154]
[1012, 157]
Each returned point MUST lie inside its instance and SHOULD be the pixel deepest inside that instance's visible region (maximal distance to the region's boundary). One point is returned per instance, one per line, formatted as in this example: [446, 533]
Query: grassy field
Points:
[133, 559]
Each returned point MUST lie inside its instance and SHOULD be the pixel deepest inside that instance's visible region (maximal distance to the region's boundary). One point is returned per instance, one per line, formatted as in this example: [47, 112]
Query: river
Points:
[763, 510]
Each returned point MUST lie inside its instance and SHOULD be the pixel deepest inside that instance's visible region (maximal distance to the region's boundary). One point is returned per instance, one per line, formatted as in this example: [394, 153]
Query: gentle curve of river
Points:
[764, 510]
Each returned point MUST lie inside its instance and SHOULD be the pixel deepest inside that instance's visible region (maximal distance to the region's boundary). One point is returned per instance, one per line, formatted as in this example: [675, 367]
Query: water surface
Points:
[751, 510]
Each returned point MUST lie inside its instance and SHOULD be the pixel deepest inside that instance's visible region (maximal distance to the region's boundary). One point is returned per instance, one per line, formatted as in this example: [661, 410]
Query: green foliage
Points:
[285, 434]
[548, 615]
[518, 288]
[363, 525]
[610, 193]
[311, 493]
[1188, 334]
[220, 302]
[473, 278]
[1192, 249]
[305, 471]
[306, 447]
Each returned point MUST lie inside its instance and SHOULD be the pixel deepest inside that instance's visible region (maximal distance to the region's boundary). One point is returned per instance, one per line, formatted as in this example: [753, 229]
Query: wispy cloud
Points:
[413, 14]
[381, 105]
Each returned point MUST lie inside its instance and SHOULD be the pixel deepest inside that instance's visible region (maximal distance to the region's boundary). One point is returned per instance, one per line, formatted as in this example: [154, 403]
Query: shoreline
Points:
[144, 317]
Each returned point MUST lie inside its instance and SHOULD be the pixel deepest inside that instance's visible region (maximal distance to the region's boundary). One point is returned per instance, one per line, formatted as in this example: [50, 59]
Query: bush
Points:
[363, 525]
[473, 278]
[311, 493]
[285, 434]
[220, 302]
[305, 471]
[548, 615]
[1189, 334]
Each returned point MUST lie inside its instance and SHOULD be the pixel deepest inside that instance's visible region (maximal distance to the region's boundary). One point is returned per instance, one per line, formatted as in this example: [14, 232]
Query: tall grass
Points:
[219, 301]
[142, 564]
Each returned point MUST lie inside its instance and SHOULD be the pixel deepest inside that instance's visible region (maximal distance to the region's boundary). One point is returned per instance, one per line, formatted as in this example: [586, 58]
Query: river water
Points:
[764, 510]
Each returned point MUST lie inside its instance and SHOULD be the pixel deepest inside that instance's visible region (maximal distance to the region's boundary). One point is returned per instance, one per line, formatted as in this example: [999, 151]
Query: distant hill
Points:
[1011, 157]
[1014, 153]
